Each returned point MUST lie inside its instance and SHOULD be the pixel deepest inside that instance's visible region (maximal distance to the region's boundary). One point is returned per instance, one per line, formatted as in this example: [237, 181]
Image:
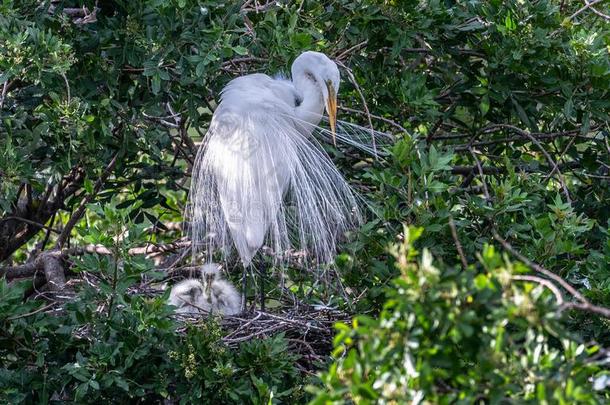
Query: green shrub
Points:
[447, 335]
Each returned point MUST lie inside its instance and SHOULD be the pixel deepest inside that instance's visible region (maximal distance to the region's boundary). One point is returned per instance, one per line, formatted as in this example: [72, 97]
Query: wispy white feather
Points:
[261, 177]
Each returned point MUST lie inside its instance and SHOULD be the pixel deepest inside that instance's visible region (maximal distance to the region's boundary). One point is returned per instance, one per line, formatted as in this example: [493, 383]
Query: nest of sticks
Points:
[308, 330]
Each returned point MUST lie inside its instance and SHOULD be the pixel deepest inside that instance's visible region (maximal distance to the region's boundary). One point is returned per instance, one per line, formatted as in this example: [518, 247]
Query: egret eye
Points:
[311, 77]
[297, 101]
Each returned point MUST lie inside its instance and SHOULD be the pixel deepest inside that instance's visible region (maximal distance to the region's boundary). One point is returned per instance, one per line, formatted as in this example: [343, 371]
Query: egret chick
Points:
[219, 294]
[188, 296]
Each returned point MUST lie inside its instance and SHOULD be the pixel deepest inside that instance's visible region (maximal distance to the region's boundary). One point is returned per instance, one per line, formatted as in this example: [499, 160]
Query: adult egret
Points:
[260, 176]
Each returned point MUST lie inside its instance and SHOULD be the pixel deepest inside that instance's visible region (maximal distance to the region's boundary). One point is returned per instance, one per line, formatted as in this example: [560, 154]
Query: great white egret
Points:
[260, 176]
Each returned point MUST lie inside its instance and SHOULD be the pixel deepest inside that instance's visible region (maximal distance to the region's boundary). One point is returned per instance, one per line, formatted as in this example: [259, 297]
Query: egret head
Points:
[323, 72]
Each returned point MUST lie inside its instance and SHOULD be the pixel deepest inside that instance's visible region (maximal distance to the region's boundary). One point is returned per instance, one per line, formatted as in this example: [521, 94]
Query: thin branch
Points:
[599, 13]
[147, 249]
[364, 104]
[542, 281]
[584, 8]
[467, 170]
[377, 117]
[483, 182]
[267, 6]
[76, 216]
[356, 47]
[48, 234]
[458, 245]
[41, 309]
[563, 153]
[67, 87]
[546, 155]
[246, 59]
[3, 94]
[539, 268]
[588, 307]
[30, 222]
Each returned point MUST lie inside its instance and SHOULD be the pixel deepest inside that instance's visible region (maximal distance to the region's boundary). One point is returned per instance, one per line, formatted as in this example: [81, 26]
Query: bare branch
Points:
[588, 5]
[458, 245]
[30, 222]
[588, 307]
[53, 270]
[364, 104]
[68, 98]
[377, 117]
[356, 47]
[542, 281]
[546, 155]
[582, 305]
[3, 94]
[483, 182]
[61, 240]
[539, 268]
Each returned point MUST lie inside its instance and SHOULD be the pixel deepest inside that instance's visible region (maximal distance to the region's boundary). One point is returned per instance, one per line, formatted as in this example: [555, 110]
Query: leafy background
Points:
[497, 184]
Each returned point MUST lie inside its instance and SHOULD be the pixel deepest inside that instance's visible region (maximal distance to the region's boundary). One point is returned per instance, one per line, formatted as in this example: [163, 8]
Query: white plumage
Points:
[219, 294]
[260, 175]
[188, 297]
[214, 295]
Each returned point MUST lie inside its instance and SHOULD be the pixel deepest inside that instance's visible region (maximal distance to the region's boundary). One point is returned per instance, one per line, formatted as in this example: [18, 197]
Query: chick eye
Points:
[297, 101]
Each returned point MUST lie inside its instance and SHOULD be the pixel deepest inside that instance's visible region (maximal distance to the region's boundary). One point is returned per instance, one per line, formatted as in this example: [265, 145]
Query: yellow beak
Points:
[331, 109]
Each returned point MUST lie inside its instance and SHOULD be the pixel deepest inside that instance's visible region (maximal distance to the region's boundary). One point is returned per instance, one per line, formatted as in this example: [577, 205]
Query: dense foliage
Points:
[453, 335]
[500, 111]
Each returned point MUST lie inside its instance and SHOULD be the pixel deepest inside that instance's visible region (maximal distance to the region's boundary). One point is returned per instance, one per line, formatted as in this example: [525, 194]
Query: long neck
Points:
[312, 103]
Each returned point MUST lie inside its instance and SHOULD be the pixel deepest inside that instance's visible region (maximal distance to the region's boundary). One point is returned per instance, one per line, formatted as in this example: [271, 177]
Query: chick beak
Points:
[331, 109]
[209, 278]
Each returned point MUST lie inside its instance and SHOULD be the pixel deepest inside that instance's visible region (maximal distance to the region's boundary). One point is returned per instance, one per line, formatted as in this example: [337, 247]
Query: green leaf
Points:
[240, 50]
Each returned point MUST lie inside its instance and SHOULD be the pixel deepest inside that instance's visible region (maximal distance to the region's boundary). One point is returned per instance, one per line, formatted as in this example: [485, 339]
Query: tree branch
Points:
[582, 305]
[61, 240]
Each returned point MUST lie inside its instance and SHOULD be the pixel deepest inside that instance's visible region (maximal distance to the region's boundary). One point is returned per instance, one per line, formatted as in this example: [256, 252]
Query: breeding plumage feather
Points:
[260, 176]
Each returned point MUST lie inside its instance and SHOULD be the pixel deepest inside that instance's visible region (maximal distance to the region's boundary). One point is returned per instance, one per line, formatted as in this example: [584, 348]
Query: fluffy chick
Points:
[219, 294]
[188, 296]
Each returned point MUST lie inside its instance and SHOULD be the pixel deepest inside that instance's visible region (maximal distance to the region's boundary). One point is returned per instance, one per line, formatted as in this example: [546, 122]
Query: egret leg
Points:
[263, 268]
[244, 288]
